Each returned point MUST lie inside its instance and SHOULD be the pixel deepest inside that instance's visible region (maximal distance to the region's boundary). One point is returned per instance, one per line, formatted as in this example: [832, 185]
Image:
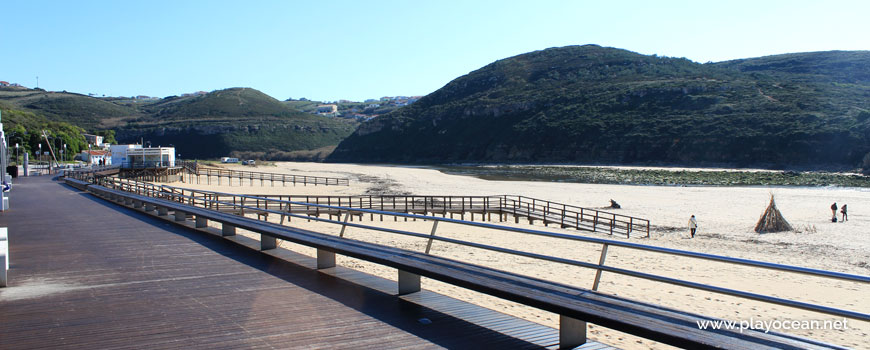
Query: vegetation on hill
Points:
[205, 126]
[237, 119]
[589, 104]
[24, 128]
[345, 109]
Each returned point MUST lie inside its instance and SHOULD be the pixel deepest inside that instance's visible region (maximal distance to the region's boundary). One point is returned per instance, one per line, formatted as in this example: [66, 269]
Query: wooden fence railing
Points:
[567, 216]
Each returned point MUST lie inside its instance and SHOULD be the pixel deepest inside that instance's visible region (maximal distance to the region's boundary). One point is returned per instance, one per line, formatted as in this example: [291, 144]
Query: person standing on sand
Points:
[834, 211]
[843, 211]
[693, 225]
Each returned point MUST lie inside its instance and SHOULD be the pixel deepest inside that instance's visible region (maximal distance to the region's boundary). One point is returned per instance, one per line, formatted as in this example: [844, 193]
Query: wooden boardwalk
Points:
[87, 274]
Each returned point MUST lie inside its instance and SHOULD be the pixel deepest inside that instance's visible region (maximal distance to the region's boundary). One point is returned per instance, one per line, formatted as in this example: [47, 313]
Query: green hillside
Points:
[589, 104]
[232, 120]
[81, 110]
[207, 126]
[24, 128]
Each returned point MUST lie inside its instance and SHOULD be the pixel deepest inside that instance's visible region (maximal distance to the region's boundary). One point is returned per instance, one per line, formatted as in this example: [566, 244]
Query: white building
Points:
[151, 157]
[97, 157]
[119, 153]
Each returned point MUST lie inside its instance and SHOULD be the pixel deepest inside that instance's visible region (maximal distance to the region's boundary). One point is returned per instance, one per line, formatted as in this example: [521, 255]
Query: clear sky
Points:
[330, 50]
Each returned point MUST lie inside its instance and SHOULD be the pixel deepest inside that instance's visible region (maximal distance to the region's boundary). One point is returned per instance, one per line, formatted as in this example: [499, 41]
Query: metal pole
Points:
[600, 263]
[434, 227]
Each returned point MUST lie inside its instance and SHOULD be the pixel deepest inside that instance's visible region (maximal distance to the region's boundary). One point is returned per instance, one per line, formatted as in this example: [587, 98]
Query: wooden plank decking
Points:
[87, 274]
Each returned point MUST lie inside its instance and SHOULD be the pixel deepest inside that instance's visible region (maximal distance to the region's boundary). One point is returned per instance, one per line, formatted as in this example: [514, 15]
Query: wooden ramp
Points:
[86, 274]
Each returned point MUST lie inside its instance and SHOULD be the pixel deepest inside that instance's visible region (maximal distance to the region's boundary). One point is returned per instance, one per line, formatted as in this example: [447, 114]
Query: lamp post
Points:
[16, 154]
[63, 154]
[39, 156]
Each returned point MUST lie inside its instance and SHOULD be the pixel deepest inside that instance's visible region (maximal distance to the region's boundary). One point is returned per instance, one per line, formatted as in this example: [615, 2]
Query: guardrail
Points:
[206, 202]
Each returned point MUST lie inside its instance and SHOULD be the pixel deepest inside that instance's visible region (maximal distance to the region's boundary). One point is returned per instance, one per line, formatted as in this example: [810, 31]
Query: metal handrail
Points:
[599, 267]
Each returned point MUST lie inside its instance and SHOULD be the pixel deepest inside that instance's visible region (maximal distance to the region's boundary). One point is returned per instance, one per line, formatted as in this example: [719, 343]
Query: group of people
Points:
[842, 211]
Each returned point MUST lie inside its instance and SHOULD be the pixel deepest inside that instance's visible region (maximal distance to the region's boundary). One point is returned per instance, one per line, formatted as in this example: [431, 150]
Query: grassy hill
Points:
[590, 104]
[207, 126]
[232, 120]
[81, 110]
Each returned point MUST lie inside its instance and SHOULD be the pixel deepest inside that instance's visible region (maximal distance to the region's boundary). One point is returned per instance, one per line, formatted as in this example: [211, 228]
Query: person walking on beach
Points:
[843, 211]
[693, 225]
[834, 212]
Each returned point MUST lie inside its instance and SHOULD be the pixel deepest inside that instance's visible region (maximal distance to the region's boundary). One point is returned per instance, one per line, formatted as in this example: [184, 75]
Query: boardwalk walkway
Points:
[86, 274]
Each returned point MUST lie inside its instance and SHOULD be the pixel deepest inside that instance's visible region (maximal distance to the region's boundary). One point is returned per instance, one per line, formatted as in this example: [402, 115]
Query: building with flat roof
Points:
[119, 152]
[151, 157]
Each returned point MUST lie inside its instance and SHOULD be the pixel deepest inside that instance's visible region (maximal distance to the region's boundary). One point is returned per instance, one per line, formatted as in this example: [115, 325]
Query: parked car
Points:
[249, 162]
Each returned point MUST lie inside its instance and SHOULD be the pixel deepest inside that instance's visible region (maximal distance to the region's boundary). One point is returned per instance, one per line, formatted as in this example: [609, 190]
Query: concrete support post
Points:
[180, 215]
[4, 256]
[268, 242]
[408, 282]
[201, 222]
[228, 230]
[128, 201]
[162, 211]
[137, 204]
[149, 207]
[325, 259]
[572, 332]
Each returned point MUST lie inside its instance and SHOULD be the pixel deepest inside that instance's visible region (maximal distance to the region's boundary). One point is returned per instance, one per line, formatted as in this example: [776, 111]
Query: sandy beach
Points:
[726, 217]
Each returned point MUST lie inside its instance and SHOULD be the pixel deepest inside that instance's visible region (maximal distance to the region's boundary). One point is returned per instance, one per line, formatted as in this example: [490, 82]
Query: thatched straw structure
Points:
[772, 220]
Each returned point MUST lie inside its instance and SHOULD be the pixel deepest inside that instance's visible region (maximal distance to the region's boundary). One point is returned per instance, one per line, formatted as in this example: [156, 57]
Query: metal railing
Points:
[242, 203]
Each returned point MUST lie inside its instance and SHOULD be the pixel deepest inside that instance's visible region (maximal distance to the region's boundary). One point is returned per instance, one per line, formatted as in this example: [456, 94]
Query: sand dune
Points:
[726, 215]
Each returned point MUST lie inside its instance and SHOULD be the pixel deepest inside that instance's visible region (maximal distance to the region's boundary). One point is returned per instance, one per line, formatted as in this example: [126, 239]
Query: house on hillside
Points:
[4, 83]
[330, 110]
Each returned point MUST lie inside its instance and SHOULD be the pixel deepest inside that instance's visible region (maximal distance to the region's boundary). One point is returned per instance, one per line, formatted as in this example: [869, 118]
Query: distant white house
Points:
[98, 157]
[151, 157]
[119, 153]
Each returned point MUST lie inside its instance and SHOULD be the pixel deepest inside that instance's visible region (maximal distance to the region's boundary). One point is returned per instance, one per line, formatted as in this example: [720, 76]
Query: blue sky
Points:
[330, 50]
